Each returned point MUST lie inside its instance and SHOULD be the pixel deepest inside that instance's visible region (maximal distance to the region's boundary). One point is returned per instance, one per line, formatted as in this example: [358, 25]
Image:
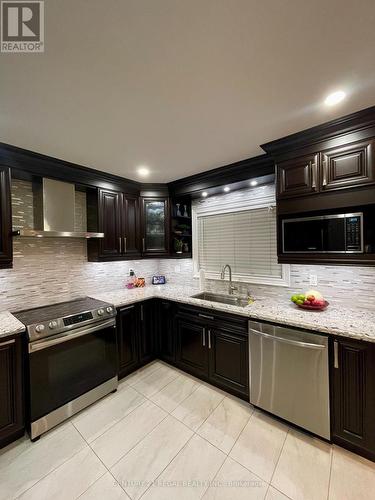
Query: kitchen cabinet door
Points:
[147, 345]
[348, 166]
[155, 226]
[353, 391]
[229, 361]
[192, 351]
[110, 209]
[6, 243]
[297, 177]
[131, 226]
[127, 333]
[166, 331]
[11, 391]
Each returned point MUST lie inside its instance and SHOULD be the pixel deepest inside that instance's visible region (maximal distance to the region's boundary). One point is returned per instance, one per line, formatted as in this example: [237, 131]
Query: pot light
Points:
[335, 98]
[204, 194]
[227, 189]
[253, 183]
[143, 171]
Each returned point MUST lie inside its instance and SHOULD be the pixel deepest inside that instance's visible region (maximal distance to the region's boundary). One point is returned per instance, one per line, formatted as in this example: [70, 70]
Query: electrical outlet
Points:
[177, 269]
[313, 279]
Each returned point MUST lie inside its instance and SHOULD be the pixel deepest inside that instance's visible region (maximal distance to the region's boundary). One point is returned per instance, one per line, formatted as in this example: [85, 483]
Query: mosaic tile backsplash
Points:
[53, 269]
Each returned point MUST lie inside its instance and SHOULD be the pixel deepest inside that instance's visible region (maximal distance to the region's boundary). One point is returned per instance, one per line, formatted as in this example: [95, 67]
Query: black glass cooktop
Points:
[60, 310]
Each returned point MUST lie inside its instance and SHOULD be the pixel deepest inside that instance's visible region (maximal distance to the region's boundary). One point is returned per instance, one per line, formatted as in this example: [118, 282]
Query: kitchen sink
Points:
[232, 300]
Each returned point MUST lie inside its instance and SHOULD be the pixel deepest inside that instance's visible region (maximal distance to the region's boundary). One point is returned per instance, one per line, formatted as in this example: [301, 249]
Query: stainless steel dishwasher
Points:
[289, 375]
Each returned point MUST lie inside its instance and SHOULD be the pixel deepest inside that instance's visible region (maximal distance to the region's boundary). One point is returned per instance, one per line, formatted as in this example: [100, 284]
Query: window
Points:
[239, 229]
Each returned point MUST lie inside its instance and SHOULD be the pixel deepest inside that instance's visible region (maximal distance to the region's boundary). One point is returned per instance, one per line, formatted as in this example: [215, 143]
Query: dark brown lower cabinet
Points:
[135, 336]
[166, 331]
[147, 343]
[127, 339]
[353, 396]
[192, 352]
[214, 347]
[11, 391]
[229, 360]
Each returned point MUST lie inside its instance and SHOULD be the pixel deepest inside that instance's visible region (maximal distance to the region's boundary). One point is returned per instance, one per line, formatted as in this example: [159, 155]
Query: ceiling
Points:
[183, 86]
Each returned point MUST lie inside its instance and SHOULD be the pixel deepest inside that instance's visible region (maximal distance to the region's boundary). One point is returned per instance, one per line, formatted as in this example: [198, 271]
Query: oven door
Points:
[66, 366]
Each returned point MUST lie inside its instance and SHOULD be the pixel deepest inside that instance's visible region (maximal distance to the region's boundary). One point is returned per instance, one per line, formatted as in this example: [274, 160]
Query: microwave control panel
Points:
[353, 234]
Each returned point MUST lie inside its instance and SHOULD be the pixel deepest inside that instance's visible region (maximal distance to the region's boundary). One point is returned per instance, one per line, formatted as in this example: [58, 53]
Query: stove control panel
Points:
[53, 327]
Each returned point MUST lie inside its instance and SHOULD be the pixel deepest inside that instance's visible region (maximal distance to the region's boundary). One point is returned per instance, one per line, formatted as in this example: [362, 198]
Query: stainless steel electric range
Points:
[72, 359]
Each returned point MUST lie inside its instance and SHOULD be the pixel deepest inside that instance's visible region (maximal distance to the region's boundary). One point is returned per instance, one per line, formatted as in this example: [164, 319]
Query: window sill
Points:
[284, 280]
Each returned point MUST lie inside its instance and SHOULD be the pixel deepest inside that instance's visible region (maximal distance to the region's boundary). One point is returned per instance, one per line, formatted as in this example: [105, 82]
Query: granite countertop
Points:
[9, 325]
[335, 320]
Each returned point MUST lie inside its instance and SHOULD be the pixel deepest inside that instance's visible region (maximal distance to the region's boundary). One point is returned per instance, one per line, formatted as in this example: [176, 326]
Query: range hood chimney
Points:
[54, 211]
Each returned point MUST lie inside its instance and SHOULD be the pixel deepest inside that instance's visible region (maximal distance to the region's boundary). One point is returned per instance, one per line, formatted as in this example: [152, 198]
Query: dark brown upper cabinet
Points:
[118, 218]
[348, 166]
[110, 208]
[155, 226]
[298, 176]
[6, 246]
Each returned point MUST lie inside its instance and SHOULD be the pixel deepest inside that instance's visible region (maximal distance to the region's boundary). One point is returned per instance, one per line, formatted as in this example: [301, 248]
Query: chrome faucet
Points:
[231, 288]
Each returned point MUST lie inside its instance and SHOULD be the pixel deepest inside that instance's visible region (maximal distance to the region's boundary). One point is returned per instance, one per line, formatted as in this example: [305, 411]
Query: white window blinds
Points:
[246, 240]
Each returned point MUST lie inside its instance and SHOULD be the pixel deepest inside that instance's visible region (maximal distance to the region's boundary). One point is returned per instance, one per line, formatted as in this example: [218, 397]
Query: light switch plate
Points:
[313, 279]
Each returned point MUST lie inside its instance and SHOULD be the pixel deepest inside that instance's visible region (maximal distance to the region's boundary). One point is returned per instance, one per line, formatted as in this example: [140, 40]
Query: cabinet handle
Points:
[125, 245]
[335, 354]
[209, 339]
[120, 245]
[143, 244]
[313, 166]
[203, 337]
[141, 312]
[325, 164]
[8, 342]
[205, 316]
[126, 308]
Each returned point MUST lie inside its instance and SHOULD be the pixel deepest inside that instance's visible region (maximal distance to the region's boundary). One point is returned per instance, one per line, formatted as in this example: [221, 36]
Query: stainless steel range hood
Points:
[54, 212]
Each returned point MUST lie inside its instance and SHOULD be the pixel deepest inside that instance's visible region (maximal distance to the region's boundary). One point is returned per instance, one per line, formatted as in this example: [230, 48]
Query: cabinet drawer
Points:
[213, 317]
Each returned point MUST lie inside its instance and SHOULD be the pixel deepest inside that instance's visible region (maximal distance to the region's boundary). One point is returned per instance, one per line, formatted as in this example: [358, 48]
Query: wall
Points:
[51, 270]
[47, 270]
[344, 285]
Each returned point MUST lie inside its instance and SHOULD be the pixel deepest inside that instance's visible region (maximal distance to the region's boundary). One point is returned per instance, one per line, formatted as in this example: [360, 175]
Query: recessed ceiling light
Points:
[253, 183]
[227, 189]
[204, 194]
[143, 171]
[335, 98]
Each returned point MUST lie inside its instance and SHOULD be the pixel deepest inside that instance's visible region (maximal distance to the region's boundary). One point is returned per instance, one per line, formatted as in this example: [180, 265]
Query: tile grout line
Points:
[278, 460]
[330, 474]
[168, 464]
[58, 466]
[88, 444]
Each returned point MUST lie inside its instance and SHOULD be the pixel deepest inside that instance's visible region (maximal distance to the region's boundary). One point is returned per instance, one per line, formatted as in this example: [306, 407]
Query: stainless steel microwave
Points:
[339, 233]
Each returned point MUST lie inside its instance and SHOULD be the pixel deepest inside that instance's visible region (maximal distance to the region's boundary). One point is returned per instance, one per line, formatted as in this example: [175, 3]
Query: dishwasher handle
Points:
[296, 343]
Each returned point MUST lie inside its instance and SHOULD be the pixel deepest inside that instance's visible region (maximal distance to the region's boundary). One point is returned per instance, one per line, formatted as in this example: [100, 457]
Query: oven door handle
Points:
[66, 337]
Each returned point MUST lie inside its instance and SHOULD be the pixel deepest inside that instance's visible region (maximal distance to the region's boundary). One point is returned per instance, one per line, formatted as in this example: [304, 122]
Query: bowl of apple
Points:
[312, 300]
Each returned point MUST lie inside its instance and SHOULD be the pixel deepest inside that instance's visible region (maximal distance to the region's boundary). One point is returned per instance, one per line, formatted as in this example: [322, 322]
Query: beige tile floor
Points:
[165, 435]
